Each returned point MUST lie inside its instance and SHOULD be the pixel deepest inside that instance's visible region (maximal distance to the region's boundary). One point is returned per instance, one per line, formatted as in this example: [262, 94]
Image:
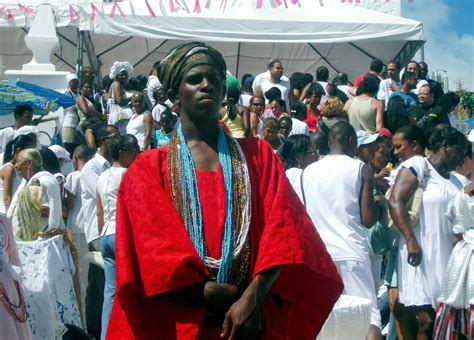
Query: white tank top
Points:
[136, 127]
[16, 184]
[332, 188]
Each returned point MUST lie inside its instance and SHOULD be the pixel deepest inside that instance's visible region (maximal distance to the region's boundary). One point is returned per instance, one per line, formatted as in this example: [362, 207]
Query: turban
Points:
[184, 57]
[118, 67]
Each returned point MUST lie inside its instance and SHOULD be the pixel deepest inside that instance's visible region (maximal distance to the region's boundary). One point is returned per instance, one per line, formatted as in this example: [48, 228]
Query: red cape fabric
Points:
[154, 255]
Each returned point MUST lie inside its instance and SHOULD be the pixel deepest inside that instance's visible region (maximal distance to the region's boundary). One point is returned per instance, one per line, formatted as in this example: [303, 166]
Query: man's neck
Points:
[104, 152]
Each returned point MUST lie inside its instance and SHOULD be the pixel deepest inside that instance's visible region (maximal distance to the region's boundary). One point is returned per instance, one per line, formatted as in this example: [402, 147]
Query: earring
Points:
[414, 149]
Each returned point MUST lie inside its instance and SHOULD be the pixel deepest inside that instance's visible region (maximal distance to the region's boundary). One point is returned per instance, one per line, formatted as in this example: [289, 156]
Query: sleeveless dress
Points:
[361, 116]
[136, 127]
[119, 115]
[86, 121]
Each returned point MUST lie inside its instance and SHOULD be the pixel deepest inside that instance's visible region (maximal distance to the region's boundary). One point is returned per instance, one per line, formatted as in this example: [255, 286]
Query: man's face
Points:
[200, 93]
[423, 71]
[413, 67]
[392, 71]
[88, 75]
[367, 152]
[425, 98]
[276, 71]
[138, 103]
[25, 118]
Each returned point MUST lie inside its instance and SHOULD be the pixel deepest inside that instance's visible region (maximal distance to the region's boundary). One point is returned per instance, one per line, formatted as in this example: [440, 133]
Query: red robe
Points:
[154, 255]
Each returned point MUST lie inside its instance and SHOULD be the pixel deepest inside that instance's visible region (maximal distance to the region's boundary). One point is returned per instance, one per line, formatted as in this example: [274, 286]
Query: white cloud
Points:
[445, 49]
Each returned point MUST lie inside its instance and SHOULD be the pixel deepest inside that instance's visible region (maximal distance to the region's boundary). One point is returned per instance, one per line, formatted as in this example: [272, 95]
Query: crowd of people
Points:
[252, 204]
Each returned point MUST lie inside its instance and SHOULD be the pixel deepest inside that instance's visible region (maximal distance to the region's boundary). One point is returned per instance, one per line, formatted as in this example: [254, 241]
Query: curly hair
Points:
[333, 107]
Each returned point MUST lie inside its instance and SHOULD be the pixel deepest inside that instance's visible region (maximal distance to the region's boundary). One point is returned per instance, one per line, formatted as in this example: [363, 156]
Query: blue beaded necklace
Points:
[190, 195]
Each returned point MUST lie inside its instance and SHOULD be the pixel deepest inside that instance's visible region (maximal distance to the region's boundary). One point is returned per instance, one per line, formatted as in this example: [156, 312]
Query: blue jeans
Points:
[107, 248]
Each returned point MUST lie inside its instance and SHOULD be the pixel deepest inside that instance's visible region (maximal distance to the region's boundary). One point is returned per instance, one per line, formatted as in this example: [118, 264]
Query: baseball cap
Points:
[365, 137]
[60, 152]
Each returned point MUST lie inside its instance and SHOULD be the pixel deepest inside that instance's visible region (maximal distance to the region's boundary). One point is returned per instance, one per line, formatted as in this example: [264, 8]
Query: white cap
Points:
[71, 76]
[60, 152]
[365, 137]
[470, 136]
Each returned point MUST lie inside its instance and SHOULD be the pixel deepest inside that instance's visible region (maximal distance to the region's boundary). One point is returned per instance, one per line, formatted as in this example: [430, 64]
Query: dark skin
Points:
[199, 95]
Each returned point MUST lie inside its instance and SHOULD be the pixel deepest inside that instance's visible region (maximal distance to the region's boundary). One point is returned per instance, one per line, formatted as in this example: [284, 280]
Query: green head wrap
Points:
[184, 57]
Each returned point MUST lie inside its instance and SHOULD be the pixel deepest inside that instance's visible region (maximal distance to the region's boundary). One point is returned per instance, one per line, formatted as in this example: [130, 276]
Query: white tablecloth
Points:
[49, 291]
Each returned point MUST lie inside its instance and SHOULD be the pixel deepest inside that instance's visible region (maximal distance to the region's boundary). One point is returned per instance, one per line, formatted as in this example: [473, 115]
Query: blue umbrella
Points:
[41, 99]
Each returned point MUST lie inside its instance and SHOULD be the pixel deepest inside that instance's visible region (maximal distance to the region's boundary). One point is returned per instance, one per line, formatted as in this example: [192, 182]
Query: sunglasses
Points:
[258, 104]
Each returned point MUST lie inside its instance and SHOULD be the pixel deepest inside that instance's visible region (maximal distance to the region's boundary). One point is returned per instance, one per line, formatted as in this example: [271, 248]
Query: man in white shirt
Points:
[23, 115]
[338, 190]
[89, 177]
[387, 86]
[75, 218]
[275, 69]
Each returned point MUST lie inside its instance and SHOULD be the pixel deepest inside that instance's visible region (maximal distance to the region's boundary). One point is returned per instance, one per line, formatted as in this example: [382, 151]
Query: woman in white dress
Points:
[424, 248]
[9, 179]
[297, 152]
[140, 124]
[118, 102]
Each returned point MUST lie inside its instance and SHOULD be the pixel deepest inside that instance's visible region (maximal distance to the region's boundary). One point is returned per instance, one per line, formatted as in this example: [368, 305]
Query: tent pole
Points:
[116, 45]
[94, 62]
[150, 53]
[238, 61]
[361, 50]
[422, 52]
[79, 59]
[323, 57]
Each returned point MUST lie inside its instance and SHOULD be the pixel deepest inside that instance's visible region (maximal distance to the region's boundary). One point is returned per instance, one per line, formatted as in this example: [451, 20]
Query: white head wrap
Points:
[120, 66]
[69, 77]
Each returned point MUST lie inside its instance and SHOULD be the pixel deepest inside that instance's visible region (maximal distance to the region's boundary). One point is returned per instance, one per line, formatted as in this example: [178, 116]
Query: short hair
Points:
[86, 83]
[156, 64]
[119, 143]
[407, 75]
[308, 78]
[341, 132]
[273, 93]
[448, 135]
[370, 84]
[341, 78]
[412, 133]
[322, 73]
[21, 109]
[34, 156]
[271, 123]
[106, 82]
[396, 63]
[287, 118]
[333, 107]
[272, 62]
[83, 152]
[430, 88]
[50, 161]
[20, 142]
[315, 88]
[293, 145]
[376, 65]
[297, 81]
[102, 132]
[133, 84]
[85, 69]
[167, 113]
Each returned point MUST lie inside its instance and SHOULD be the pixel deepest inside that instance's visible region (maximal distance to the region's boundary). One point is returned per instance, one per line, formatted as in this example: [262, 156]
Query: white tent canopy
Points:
[304, 35]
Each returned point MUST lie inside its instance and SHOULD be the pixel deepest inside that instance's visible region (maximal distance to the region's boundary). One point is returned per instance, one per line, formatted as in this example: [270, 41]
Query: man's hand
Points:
[219, 297]
[414, 252]
[243, 320]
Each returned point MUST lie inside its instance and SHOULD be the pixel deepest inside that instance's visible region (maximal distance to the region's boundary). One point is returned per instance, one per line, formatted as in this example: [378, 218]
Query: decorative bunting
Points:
[114, 8]
[172, 8]
[9, 14]
[94, 11]
[259, 4]
[73, 14]
[197, 7]
[150, 10]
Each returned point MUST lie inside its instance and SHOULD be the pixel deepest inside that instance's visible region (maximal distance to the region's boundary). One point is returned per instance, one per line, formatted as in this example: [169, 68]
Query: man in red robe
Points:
[164, 289]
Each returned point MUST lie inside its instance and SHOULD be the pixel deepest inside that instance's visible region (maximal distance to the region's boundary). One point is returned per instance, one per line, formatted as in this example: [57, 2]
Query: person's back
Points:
[333, 186]
[361, 114]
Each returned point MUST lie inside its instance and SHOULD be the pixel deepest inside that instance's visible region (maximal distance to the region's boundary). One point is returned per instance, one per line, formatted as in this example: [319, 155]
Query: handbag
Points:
[414, 204]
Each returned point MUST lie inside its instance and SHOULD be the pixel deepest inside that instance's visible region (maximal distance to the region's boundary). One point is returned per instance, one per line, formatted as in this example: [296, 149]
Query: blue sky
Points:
[449, 30]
